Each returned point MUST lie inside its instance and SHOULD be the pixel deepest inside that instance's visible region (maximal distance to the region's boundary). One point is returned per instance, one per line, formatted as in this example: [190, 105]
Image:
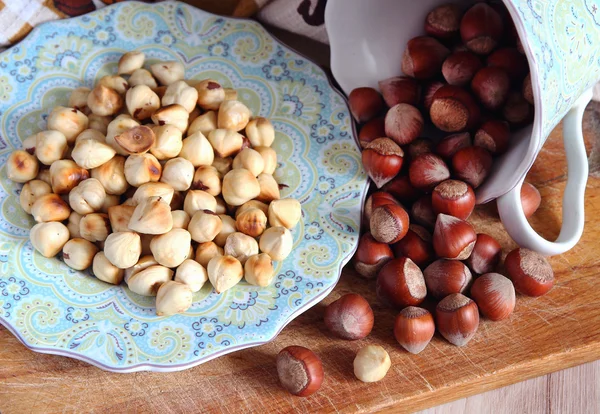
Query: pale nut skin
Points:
[90, 153]
[79, 253]
[99, 123]
[123, 249]
[144, 263]
[49, 238]
[205, 123]
[269, 159]
[207, 178]
[65, 175]
[94, 227]
[142, 76]
[103, 101]
[285, 212]
[371, 363]
[71, 122]
[173, 298]
[172, 248]
[260, 132]
[87, 197]
[210, 94]
[204, 226]
[233, 115]
[223, 165]
[141, 169]
[239, 186]
[31, 191]
[240, 246]
[146, 282]
[225, 142]
[119, 217]
[117, 126]
[181, 93]
[141, 102]
[111, 175]
[109, 201]
[78, 99]
[224, 272]
[178, 173]
[50, 146]
[73, 224]
[191, 273]
[50, 207]
[90, 134]
[197, 149]
[228, 227]
[277, 242]
[105, 271]
[252, 204]
[197, 200]
[169, 142]
[168, 72]
[181, 219]
[21, 166]
[130, 61]
[162, 190]
[206, 251]
[151, 216]
[250, 160]
[115, 82]
[259, 270]
[269, 188]
[252, 221]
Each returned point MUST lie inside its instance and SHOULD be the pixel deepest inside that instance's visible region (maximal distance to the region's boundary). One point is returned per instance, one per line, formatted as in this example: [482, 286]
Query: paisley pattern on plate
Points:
[54, 309]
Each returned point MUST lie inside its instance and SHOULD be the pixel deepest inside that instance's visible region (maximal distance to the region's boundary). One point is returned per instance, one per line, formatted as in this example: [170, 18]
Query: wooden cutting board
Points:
[547, 334]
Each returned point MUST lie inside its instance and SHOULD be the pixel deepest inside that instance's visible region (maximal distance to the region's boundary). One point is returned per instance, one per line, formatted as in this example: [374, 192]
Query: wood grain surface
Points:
[559, 330]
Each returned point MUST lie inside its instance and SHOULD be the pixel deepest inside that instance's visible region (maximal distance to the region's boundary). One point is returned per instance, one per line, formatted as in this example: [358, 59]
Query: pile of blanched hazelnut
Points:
[142, 203]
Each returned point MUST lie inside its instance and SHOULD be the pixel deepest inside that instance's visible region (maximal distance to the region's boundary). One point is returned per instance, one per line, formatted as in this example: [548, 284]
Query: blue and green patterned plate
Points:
[56, 310]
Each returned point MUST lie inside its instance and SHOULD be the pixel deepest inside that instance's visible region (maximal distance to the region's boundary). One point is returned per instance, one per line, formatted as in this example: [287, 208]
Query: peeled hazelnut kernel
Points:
[427, 171]
[472, 165]
[240, 246]
[285, 212]
[460, 67]
[198, 150]
[109, 201]
[530, 199]
[400, 89]
[73, 224]
[99, 123]
[260, 132]
[240, 186]
[259, 270]
[205, 123]
[49, 238]
[141, 169]
[269, 157]
[252, 222]
[224, 272]
[365, 103]
[204, 226]
[493, 136]
[123, 249]
[372, 130]
[300, 371]
[162, 190]
[21, 166]
[151, 216]
[120, 216]
[350, 317]
[168, 72]
[444, 21]
[89, 153]
[79, 253]
[414, 329]
[447, 147]
[78, 99]
[454, 198]
[371, 256]
[173, 114]
[453, 238]
[250, 160]
[142, 76]
[481, 28]
[429, 91]
[43, 175]
[50, 207]
[141, 102]
[115, 82]
[207, 178]
[517, 111]
[530, 272]
[400, 283]
[206, 251]
[181, 219]
[65, 175]
[389, 223]
[528, 90]
[269, 188]
[87, 197]
[146, 282]
[233, 115]
[119, 125]
[69, 121]
[29, 144]
[491, 85]
[178, 173]
[31, 191]
[173, 298]
[512, 61]
[104, 101]
[168, 142]
[444, 277]
[181, 93]
[494, 295]
[210, 94]
[457, 319]
[172, 248]
[191, 273]
[50, 146]
[94, 227]
[382, 159]
[225, 142]
[105, 271]
[371, 363]
[485, 256]
[252, 204]
[453, 109]
[228, 227]
[144, 263]
[403, 123]
[416, 245]
[423, 57]
[198, 200]
[277, 242]
[230, 94]
[130, 61]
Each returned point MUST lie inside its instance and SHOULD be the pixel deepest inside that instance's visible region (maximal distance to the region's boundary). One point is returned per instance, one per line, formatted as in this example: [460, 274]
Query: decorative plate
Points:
[53, 309]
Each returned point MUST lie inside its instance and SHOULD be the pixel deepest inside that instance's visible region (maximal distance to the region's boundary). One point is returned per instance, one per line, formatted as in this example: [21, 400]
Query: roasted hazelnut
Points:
[90, 134]
[204, 226]
[494, 136]
[453, 238]
[89, 153]
[71, 122]
[277, 242]
[115, 82]
[481, 28]
[144, 263]
[181, 93]
[168, 142]
[299, 370]
[260, 132]
[400, 283]
[205, 123]
[269, 157]
[250, 160]
[443, 22]
[119, 217]
[168, 72]
[173, 298]
[365, 103]
[228, 227]
[50, 207]
[151, 216]
[460, 68]
[514, 63]
[400, 89]
[269, 188]
[252, 222]
[472, 165]
[104, 101]
[210, 94]
[43, 175]
[94, 227]
[119, 125]
[191, 273]
[142, 168]
[530, 272]
[414, 329]
[181, 219]
[350, 317]
[233, 115]
[21, 166]
[494, 295]
[142, 76]
[162, 190]
[79, 253]
[454, 110]
[146, 282]
[252, 204]
[403, 123]
[141, 102]
[78, 99]
[173, 114]
[485, 256]
[224, 272]
[87, 197]
[240, 186]
[198, 150]
[99, 123]
[172, 248]
[29, 144]
[206, 251]
[426, 171]
[416, 245]
[457, 319]
[491, 85]
[109, 201]
[105, 271]
[198, 200]
[178, 173]
[207, 178]
[382, 160]
[454, 198]
[258, 270]
[423, 57]
[31, 191]
[50, 146]
[73, 224]
[123, 249]
[370, 131]
[65, 175]
[444, 277]
[285, 212]
[422, 213]
[225, 142]
[49, 238]
[517, 110]
[389, 223]
[240, 246]
[130, 61]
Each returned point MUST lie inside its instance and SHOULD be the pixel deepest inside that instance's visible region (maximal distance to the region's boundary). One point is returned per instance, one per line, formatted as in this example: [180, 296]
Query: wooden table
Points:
[554, 332]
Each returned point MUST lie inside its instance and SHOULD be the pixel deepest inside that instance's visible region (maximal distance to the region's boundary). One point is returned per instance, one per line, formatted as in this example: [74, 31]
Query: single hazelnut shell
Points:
[400, 89]
[414, 328]
[481, 28]
[444, 277]
[423, 57]
[419, 147]
[350, 317]
[382, 160]
[494, 136]
[530, 199]
[491, 85]
[485, 255]
[377, 199]
[514, 63]
[460, 67]
[450, 145]
[454, 110]
[443, 22]
[370, 131]
[365, 104]
[453, 197]
[300, 370]
[389, 223]
[371, 256]
[401, 188]
[517, 111]
[400, 283]
[422, 213]
[457, 318]
[403, 123]
[426, 171]
[494, 295]
[472, 165]
[453, 238]
[530, 272]
[416, 245]
[528, 90]
[429, 91]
